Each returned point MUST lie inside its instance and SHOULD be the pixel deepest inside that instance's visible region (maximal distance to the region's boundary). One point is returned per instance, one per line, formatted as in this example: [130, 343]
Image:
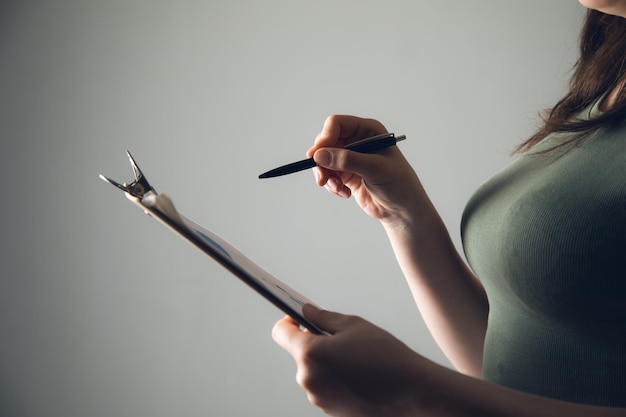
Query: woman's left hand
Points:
[358, 369]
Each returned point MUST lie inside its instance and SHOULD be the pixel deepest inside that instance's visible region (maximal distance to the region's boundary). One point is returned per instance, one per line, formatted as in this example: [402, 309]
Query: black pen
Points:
[367, 145]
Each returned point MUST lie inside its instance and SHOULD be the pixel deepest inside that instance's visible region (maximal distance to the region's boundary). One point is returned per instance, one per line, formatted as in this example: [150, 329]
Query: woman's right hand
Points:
[383, 184]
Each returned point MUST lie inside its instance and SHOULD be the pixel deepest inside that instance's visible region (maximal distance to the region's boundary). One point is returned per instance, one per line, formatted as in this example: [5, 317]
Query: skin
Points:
[614, 7]
[359, 369]
[385, 186]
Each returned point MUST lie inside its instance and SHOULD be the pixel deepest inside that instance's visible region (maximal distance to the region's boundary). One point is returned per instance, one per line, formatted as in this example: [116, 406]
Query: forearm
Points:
[463, 396]
[387, 188]
[451, 301]
[361, 370]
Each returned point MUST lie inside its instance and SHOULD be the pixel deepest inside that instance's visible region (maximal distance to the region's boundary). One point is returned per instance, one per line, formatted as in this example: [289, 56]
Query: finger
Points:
[327, 171]
[315, 146]
[337, 128]
[367, 166]
[287, 334]
[334, 185]
[328, 321]
[332, 181]
[330, 136]
[321, 176]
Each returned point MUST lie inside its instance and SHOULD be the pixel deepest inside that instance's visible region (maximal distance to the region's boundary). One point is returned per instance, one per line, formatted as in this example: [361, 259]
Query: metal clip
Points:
[138, 188]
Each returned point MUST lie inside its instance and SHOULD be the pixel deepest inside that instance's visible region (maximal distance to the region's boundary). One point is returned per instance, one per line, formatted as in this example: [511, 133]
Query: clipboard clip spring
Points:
[138, 188]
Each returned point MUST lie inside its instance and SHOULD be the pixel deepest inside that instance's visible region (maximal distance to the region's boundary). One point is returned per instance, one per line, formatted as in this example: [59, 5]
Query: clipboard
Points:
[161, 207]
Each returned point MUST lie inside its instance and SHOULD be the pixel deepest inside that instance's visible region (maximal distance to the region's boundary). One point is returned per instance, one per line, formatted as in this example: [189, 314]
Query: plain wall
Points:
[103, 312]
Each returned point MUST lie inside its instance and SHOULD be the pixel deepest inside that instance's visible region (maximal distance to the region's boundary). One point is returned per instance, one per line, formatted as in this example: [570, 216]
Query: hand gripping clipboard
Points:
[161, 207]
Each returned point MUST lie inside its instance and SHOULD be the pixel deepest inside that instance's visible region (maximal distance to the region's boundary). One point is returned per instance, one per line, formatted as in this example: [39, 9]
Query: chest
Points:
[550, 233]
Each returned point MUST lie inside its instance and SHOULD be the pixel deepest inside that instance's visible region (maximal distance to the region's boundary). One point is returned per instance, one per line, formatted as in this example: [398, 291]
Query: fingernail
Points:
[323, 157]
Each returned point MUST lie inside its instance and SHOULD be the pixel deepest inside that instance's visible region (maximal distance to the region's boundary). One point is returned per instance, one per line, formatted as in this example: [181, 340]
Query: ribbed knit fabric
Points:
[547, 237]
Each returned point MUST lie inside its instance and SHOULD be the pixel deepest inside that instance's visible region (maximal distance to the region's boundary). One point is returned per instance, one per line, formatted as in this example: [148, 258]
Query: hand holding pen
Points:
[383, 183]
[367, 145]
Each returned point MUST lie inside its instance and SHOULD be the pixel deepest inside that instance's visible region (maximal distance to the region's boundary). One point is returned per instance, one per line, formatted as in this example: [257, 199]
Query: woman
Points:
[543, 333]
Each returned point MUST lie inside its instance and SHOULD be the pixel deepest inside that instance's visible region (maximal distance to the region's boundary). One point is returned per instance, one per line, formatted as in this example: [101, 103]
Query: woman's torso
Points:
[547, 237]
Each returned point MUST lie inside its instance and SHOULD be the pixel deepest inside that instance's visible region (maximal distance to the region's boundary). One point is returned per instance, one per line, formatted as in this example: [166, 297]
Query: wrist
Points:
[424, 250]
[435, 390]
[415, 225]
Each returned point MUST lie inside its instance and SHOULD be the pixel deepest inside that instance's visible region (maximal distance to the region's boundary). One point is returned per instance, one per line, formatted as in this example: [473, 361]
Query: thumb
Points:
[338, 159]
[328, 321]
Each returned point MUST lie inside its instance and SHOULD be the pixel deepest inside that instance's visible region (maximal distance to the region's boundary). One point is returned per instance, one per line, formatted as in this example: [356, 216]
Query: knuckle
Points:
[308, 380]
[302, 377]
[277, 331]
[310, 368]
[352, 320]
[317, 401]
[332, 119]
[342, 159]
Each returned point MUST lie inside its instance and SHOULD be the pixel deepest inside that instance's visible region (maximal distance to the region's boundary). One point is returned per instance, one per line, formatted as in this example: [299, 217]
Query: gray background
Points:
[105, 313]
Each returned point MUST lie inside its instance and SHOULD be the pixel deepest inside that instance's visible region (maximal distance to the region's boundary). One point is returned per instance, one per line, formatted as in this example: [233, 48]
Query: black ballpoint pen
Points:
[368, 145]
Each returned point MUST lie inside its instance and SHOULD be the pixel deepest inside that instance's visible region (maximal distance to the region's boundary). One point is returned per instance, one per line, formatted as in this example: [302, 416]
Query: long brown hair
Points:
[600, 70]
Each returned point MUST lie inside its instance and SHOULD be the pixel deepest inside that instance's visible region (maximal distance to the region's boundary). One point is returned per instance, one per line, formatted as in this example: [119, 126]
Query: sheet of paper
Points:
[279, 289]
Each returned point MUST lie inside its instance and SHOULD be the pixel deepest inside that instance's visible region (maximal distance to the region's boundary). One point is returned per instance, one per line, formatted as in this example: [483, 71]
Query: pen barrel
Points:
[369, 147]
[289, 168]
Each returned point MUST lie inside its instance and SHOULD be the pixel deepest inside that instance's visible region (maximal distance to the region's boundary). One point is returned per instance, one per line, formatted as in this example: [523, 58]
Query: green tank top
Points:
[547, 238]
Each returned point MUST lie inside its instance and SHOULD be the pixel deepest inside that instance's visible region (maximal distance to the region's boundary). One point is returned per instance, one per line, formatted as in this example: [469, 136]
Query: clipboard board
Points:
[161, 207]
